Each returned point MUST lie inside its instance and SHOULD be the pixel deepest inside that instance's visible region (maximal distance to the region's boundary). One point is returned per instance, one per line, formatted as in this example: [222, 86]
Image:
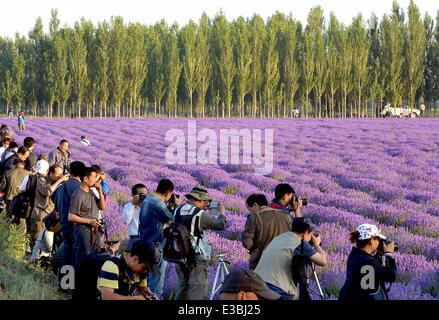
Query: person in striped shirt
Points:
[125, 278]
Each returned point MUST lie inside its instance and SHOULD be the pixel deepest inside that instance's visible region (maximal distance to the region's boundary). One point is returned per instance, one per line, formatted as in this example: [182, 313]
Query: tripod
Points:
[319, 290]
[220, 274]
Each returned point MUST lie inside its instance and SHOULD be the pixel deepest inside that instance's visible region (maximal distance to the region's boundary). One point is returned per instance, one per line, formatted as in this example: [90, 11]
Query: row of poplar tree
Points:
[247, 67]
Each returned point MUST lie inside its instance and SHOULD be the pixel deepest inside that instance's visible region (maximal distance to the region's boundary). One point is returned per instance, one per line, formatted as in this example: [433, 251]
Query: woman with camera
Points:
[366, 273]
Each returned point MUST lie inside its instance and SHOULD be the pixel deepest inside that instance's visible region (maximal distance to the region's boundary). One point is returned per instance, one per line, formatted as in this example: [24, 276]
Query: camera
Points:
[103, 226]
[295, 199]
[142, 196]
[172, 201]
[387, 242]
[174, 198]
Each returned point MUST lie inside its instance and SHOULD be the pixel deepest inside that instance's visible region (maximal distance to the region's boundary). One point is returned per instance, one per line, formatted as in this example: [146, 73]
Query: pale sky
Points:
[20, 15]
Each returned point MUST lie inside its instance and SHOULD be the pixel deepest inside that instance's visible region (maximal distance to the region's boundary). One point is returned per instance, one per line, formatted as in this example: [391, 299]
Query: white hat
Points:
[368, 231]
[42, 167]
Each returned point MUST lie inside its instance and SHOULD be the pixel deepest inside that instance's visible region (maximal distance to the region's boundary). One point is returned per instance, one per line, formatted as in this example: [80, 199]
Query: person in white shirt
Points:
[85, 141]
[131, 210]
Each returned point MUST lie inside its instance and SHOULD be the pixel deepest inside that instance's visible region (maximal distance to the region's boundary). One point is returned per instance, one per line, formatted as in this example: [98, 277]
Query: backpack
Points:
[300, 268]
[178, 246]
[87, 274]
[23, 204]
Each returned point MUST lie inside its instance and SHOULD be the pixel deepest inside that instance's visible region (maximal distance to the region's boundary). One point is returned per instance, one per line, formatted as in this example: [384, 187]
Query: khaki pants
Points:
[36, 226]
[192, 283]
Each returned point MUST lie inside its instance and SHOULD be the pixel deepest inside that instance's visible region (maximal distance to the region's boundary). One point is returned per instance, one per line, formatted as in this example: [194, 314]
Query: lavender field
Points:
[382, 171]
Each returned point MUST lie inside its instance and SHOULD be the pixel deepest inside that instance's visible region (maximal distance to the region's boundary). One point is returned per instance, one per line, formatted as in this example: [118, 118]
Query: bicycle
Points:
[220, 274]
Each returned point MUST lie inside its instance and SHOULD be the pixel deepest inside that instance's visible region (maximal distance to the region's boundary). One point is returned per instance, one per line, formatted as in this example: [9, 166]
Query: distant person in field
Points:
[276, 262]
[84, 214]
[48, 180]
[62, 198]
[31, 161]
[11, 112]
[61, 156]
[85, 141]
[131, 211]
[283, 194]
[262, 225]
[21, 124]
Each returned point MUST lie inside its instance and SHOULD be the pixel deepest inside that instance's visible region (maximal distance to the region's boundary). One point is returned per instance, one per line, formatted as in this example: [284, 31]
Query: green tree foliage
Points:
[393, 43]
[217, 67]
[224, 59]
[416, 47]
[361, 50]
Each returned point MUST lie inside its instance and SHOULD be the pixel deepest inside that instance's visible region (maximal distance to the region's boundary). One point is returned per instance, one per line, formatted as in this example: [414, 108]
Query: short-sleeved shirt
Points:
[308, 250]
[110, 274]
[62, 197]
[153, 215]
[274, 266]
[84, 204]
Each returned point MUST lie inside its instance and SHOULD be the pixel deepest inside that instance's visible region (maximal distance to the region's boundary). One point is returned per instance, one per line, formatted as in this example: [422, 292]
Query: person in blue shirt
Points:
[62, 197]
[153, 218]
[21, 124]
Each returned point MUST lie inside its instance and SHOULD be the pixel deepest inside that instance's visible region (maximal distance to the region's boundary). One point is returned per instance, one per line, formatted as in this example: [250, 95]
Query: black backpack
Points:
[23, 204]
[301, 269]
[87, 274]
[178, 240]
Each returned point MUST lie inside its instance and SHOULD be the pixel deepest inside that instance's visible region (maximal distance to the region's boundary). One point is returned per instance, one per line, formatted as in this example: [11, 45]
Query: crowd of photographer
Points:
[61, 203]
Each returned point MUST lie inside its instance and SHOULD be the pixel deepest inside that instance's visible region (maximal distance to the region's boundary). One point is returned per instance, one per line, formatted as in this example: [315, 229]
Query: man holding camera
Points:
[154, 216]
[84, 213]
[49, 179]
[131, 211]
[193, 280]
[366, 274]
[285, 199]
[62, 197]
[262, 225]
[116, 278]
[275, 265]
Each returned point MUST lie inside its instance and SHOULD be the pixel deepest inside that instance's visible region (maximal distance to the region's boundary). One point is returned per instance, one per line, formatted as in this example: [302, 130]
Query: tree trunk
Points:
[191, 106]
[306, 106]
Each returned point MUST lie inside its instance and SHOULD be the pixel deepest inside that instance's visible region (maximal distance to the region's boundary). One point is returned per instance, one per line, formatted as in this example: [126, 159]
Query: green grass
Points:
[230, 190]
[18, 279]
[120, 197]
